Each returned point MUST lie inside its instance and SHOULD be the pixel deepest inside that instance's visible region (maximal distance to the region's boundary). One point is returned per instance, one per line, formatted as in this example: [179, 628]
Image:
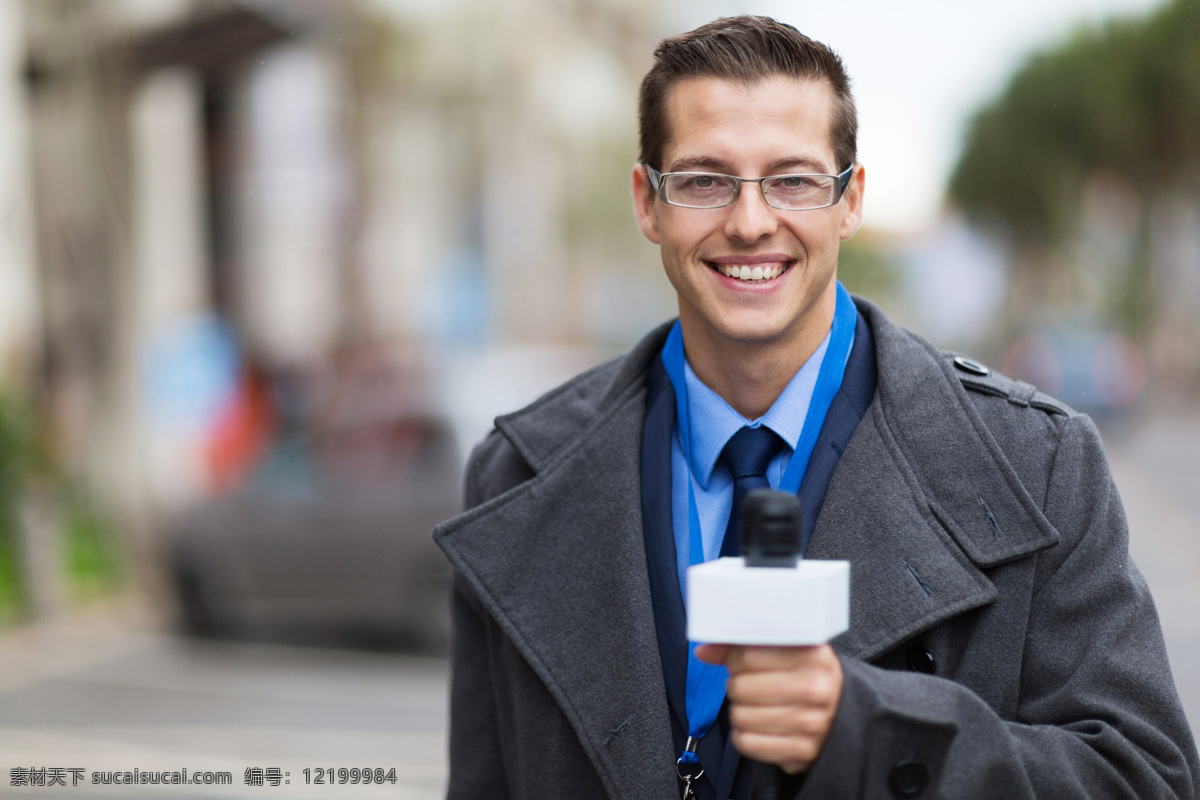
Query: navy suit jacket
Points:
[717, 755]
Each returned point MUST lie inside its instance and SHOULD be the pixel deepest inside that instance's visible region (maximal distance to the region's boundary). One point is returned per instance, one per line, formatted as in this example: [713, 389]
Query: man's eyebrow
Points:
[700, 163]
[803, 164]
[791, 164]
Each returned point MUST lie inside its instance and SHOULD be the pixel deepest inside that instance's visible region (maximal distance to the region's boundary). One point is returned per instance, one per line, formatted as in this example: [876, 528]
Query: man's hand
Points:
[782, 700]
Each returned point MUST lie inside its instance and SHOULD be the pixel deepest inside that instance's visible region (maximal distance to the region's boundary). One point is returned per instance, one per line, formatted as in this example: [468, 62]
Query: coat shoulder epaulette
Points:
[978, 377]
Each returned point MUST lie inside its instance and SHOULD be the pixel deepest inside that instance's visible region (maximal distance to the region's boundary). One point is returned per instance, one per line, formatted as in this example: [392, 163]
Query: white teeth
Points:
[748, 273]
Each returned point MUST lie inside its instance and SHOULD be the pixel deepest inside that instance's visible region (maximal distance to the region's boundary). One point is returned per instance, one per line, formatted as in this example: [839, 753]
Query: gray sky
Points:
[919, 69]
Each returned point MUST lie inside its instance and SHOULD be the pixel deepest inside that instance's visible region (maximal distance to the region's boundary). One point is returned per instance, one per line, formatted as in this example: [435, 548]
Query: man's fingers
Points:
[792, 753]
[780, 720]
[816, 686]
[756, 658]
[715, 653]
[782, 702]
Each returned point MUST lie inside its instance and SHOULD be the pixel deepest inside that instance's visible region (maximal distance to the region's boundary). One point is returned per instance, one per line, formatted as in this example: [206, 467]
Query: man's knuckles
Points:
[779, 720]
[766, 719]
[782, 750]
[770, 659]
[802, 687]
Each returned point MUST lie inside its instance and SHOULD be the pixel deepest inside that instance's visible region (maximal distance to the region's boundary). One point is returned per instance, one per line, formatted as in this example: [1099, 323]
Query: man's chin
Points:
[753, 332]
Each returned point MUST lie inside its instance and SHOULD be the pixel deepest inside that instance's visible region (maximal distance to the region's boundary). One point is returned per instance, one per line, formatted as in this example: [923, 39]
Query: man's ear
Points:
[644, 207]
[852, 200]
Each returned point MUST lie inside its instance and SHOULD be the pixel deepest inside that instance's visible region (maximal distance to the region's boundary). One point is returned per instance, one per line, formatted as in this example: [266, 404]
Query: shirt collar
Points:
[713, 421]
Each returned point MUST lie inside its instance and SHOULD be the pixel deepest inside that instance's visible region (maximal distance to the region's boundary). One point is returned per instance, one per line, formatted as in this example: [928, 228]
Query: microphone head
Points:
[769, 530]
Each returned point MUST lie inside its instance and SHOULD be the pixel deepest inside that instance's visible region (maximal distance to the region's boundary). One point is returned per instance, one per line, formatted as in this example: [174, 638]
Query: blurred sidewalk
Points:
[75, 641]
[103, 690]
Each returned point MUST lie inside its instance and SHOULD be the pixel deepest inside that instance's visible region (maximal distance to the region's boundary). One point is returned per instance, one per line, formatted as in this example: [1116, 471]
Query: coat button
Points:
[920, 660]
[908, 778]
[970, 365]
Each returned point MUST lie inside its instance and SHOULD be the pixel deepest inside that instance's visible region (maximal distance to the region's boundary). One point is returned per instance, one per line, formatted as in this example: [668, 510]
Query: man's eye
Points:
[794, 182]
[703, 181]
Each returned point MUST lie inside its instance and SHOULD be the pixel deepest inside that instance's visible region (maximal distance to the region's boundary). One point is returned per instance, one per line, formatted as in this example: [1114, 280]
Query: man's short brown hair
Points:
[745, 49]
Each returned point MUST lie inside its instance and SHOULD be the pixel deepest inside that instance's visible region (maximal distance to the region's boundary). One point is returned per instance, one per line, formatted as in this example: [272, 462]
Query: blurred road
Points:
[102, 694]
[89, 694]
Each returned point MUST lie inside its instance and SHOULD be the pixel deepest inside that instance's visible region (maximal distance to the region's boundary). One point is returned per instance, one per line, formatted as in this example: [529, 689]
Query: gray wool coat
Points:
[987, 544]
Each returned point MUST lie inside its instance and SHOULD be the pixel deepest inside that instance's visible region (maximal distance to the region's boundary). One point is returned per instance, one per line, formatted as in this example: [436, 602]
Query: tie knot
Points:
[749, 451]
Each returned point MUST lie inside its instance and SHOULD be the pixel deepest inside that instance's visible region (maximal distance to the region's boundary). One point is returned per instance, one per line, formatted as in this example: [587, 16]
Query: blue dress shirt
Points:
[713, 422]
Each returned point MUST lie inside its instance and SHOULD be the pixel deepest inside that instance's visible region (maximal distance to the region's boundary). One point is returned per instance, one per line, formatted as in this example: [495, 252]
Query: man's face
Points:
[775, 126]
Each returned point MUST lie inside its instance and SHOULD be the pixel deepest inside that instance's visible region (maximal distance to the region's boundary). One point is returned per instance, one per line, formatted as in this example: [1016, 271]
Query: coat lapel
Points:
[560, 563]
[905, 572]
[921, 500]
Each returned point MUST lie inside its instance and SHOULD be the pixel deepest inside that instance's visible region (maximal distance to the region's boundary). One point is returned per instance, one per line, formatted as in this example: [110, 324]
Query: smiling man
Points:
[1001, 643]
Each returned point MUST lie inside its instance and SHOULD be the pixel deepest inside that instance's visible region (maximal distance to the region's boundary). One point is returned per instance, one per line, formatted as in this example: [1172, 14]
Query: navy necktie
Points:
[747, 454]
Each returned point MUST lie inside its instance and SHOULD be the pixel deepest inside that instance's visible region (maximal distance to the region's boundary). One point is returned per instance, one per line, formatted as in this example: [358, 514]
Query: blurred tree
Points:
[868, 268]
[49, 528]
[1121, 102]
[21, 460]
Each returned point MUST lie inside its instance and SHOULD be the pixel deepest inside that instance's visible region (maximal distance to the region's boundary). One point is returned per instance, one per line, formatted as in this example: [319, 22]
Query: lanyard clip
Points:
[688, 766]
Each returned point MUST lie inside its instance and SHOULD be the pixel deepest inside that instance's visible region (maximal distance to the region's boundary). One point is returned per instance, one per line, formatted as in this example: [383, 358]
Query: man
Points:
[1001, 643]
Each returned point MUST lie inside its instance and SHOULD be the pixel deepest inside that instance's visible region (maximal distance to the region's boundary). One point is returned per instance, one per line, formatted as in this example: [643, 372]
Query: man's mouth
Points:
[751, 273]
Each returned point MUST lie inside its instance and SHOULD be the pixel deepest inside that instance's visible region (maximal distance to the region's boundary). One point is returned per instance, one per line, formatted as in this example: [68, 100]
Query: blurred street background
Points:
[269, 269]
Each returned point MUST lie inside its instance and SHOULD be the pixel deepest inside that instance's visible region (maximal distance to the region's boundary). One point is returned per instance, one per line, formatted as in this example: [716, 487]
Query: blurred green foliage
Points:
[599, 213]
[866, 268]
[1122, 99]
[91, 554]
[20, 457]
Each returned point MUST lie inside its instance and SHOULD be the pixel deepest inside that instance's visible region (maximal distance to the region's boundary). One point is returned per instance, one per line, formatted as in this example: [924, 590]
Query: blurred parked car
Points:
[329, 538]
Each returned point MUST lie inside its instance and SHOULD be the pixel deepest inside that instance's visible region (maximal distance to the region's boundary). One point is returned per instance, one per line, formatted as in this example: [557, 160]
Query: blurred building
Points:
[216, 189]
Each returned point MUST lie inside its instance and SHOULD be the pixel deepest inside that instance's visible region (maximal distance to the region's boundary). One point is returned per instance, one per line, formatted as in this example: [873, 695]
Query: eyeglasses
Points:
[785, 192]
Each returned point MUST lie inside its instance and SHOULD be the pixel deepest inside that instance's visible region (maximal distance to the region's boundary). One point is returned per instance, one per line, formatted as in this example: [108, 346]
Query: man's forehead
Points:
[712, 123]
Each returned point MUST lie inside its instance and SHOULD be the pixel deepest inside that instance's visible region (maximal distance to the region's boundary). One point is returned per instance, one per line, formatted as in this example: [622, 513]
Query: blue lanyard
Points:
[705, 690]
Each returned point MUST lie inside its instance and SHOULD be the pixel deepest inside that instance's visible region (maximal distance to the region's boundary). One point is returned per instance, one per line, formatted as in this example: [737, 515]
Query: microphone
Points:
[769, 536]
[769, 531]
[768, 596]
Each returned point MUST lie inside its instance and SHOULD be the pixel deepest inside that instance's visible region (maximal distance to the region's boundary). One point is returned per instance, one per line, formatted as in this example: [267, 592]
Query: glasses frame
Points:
[658, 184]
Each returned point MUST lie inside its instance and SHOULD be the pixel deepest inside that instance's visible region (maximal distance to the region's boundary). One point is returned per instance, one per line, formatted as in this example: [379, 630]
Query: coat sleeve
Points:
[1098, 714]
[476, 747]
[476, 760]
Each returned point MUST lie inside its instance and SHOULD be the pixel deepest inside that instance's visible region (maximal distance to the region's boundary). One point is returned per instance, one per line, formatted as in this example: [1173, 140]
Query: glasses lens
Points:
[700, 190]
[800, 191]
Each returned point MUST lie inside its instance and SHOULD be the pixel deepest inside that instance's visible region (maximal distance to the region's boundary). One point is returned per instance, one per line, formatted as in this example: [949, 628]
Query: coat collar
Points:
[560, 563]
[922, 500]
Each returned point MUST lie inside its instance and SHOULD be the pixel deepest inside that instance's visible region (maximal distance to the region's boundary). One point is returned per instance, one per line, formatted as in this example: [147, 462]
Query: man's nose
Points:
[750, 218]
